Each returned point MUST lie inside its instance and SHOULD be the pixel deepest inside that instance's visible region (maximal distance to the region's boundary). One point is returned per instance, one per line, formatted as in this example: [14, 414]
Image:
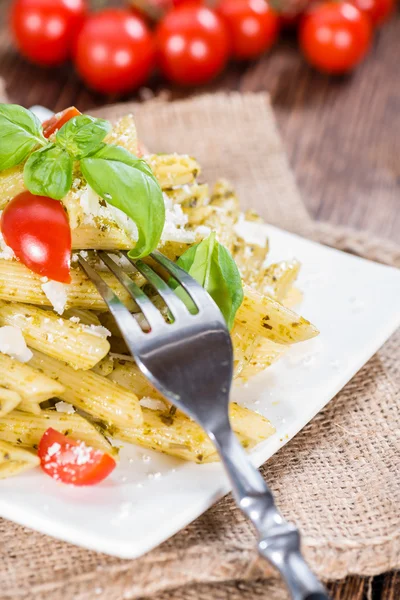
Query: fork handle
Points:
[279, 541]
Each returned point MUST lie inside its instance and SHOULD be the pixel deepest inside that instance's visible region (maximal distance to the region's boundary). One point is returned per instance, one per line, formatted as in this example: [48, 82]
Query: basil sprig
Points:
[128, 183]
[48, 172]
[20, 133]
[119, 177]
[82, 135]
[210, 263]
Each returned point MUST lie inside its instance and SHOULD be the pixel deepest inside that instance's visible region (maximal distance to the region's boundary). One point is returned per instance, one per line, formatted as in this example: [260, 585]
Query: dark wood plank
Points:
[341, 135]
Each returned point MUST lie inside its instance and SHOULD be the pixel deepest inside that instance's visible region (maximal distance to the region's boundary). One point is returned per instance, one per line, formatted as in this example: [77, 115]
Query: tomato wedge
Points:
[57, 121]
[73, 462]
[38, 231]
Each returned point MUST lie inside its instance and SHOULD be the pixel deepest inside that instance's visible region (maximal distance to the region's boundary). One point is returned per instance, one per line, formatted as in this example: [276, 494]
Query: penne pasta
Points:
[81, 315]
[11, 184]
[265, 352]
[105, 367]
[173, 169]
[96, 395]
[224, 213]
[268, 318]
[124, 134]
[19, 284]
[32, 386]
[177, 435]
[8, 400]
[278, 278]
[25, 430]
[128, 375]
[15, 460]
[60, 338]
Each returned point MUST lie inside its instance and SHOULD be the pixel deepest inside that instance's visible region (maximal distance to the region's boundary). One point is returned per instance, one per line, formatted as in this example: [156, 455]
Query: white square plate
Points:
[151, 496]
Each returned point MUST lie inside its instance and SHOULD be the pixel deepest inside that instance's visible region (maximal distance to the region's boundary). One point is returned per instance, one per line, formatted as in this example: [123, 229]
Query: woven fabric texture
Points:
[338, 479]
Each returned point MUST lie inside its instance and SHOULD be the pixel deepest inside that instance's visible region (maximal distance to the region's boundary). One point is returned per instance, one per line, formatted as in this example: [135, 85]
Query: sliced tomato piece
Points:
[73, 462]
[38, 231]
[57, 121]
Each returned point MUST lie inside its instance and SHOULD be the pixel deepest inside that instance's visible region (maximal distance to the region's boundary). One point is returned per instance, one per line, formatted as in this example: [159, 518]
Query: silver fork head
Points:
[190, 361]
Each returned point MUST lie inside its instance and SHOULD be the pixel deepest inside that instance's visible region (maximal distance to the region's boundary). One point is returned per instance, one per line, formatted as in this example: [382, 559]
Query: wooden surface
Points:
[342, 137]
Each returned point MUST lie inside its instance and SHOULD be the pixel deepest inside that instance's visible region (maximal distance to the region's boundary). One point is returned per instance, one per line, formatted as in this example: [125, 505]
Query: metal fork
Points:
[190, 361]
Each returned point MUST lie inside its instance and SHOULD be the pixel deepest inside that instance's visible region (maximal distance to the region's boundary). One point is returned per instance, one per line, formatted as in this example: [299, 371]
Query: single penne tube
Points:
[15, 460]
[265, 352]
[243, 342]
[266, 317]
[177, 435]
[224, 213]
[33, 387]
[124, 134]
[105, 367]
[11, 184]
[127, 374]
[20, 284]
[100, 236]
[8, 400]
[25, 430]
[278, 278]
[173, 169]
[60, 338]
[194, 200]
[249, 259]
[92, 393]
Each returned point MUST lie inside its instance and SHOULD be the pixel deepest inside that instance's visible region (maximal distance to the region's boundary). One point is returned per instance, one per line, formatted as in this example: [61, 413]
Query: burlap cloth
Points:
[338, 479]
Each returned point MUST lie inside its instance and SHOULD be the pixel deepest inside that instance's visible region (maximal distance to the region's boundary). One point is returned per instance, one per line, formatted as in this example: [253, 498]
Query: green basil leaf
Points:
[214, 268]
[48, 172]
[82, 135]
[128, 183]
[20, 133]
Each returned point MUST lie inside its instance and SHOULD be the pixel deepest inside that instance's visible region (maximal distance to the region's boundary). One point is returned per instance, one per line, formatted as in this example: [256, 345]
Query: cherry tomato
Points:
[58, 120]
[193, 44]
[378, 11]
[252, 24]
[114, 51]
[38, 231]
[335, 36]
[44, 30]
[73, 462]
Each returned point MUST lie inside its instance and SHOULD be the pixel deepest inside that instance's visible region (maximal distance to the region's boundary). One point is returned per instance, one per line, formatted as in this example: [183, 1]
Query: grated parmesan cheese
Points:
[64, 407]
[97, 330]
[56, 293]
[12, 342]
[251, 232]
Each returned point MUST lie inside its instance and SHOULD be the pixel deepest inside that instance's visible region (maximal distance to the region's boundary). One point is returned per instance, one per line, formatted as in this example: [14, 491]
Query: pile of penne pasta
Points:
[80, 380]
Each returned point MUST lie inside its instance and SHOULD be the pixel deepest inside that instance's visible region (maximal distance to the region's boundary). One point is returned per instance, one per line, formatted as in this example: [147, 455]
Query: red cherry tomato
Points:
[114, 51]
[73, 462]
[335, 36]
[193, 44]
[38, 231]
[58, 120]
[252, 24]
[378, 11]
[44, 30]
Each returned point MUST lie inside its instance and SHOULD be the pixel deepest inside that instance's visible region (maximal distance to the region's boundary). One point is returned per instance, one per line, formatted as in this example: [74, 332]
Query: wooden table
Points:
[342, 137]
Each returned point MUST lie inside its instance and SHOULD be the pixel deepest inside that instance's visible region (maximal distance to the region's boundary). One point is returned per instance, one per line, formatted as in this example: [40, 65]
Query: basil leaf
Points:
[20, 133]
[214, 268]
[82, 135]
[48, 172]
[128, 183]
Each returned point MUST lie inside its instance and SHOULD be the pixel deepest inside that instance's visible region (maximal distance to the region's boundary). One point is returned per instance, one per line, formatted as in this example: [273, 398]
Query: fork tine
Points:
[126, 322]
[190, 285]
[175, 304]
[151, 313]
